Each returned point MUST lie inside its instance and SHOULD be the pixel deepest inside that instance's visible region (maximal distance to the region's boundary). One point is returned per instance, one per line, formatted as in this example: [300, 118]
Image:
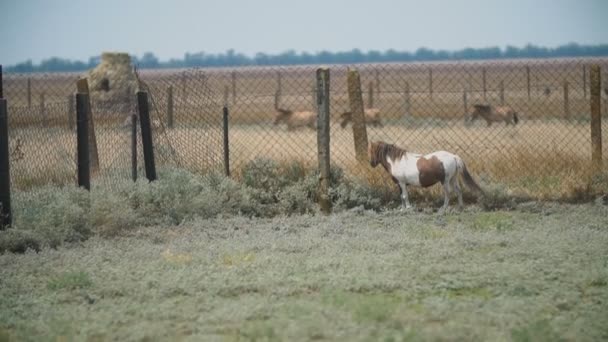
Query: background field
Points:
[537, 273]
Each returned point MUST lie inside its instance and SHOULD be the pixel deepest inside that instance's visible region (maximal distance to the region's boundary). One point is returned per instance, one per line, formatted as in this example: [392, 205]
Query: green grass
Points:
[536, 272]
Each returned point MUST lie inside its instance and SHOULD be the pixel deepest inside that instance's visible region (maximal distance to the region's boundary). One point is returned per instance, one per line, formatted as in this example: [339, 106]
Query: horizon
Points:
[78, 31]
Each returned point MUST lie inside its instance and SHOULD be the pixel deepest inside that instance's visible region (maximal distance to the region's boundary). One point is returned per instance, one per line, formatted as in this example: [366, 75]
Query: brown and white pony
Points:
[372, 117]
[415, 169]
[296, 120]
[494, 114]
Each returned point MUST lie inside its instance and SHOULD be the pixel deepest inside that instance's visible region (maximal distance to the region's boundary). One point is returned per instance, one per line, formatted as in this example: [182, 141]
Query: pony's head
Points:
[282, 115]
[378, 152]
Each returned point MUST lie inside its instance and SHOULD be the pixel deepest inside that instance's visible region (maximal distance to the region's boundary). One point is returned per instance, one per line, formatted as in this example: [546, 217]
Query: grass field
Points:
[536, 273]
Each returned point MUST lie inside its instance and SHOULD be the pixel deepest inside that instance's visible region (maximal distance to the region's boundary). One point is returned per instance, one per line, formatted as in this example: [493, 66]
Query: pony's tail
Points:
[468, 179]
[515, 118]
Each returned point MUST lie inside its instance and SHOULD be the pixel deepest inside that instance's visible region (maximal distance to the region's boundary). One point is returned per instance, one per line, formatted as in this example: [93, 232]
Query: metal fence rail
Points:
[422, 107]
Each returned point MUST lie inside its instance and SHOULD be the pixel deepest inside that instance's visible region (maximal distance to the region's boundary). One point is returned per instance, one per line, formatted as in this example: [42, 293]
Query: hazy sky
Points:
[39, 29]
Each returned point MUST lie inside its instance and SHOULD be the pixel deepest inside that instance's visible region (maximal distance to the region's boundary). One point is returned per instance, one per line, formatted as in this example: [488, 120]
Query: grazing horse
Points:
[372, 117]
[408, 168]
[295, 119]
[494, 114]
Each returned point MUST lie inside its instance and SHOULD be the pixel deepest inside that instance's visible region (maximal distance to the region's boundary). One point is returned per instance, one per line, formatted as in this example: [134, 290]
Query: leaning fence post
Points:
[146, 135]
[134, 147]
[170, 107]
[226, 142]
[358, 115]
[82, 129]
[596, 117]
[82, 86]
[5, 175]
[323, 138]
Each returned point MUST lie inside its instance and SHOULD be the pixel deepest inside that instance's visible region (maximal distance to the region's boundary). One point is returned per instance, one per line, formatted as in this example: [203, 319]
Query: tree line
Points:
[291, 57]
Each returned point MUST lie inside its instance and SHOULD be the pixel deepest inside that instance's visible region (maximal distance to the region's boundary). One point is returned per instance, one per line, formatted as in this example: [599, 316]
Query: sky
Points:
[77, 30]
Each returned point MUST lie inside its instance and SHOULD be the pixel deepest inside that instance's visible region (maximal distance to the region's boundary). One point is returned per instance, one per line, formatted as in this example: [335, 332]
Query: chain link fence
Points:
[422, 107]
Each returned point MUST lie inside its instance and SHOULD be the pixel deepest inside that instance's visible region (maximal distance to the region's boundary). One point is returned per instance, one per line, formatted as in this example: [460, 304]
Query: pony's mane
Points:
[381, 150]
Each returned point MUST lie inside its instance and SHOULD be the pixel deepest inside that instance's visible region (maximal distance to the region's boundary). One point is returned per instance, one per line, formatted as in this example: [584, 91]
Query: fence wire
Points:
[422, 107]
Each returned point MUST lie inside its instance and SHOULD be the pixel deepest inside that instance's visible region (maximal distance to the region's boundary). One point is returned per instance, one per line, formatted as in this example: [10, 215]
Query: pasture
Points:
[538, 272]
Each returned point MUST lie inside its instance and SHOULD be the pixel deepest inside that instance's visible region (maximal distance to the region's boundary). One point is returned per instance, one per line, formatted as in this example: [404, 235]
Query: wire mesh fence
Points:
[543, 140]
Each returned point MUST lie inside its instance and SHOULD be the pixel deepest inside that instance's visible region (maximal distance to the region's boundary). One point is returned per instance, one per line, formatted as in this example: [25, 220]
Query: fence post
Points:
[464, 102]
[528, 80]
[146, 135]
[502, 92]
[82, 86]
[29, 92]
[170, 107]
[5, 175]
[134, 147]
[596, 117]
[323, 138]
[226, 143]
[226, 95]
[42, 109]
[358, 115]
[82, 129]
[566, 101]
[370, 96]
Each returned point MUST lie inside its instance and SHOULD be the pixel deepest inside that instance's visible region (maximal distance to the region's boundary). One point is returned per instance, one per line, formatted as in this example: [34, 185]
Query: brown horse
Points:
[408, 168]
[494, 114]
[372, 117]
[295, 120]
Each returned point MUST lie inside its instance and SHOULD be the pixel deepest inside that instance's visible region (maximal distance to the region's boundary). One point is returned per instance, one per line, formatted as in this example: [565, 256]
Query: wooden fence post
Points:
[358, 116]
[226, 142]
[82, 129]
[170, 107]
[502, 92]
[82, 86]
[146, 135]
[596, 116]
[323, 138]
[226, 95]
[566, 101]
[5, 175]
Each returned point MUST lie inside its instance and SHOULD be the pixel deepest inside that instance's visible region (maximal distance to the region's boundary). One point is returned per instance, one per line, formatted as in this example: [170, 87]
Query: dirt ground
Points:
[539, 272]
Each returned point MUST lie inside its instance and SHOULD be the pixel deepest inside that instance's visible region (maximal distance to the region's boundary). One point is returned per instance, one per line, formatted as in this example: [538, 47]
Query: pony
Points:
[372, 117]
[415, 169]
[494, 114]
[296, 120]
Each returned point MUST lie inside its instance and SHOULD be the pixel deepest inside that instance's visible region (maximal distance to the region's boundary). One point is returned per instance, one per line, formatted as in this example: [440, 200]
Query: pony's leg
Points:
[405, 201]
[456, 186]
[446, 196]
